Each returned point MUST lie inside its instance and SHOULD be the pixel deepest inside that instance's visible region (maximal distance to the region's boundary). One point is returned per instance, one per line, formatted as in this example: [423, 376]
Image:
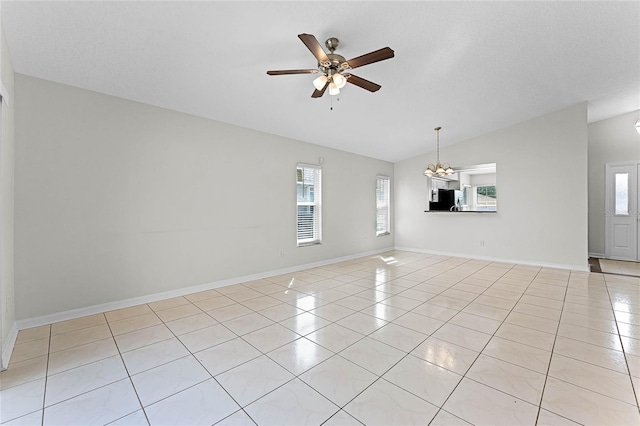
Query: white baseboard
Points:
[110, 306]
[583, 268]
[7, 347]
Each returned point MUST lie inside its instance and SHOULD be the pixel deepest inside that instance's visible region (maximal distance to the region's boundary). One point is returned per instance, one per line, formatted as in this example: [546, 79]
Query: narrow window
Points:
[309, 208]
[622, 194]
[383, 206]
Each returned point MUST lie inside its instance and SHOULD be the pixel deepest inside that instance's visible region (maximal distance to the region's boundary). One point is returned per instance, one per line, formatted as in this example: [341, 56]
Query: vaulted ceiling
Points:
[470, 67]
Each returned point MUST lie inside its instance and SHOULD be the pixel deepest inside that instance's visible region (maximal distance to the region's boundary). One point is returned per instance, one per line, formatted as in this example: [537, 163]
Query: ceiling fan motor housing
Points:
[336, 63]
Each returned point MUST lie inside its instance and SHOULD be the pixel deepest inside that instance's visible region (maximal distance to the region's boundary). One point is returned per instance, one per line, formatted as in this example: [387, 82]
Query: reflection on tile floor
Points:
[623, 267]
[396, 339]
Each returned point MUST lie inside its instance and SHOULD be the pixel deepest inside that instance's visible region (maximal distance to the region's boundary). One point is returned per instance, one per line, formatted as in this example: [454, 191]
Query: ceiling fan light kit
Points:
[339, 80]
[320, 82]
[333, 89]
[333, 67]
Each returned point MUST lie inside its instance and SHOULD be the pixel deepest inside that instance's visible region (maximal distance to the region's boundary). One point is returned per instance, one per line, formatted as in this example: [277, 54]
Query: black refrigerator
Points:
[446, 200]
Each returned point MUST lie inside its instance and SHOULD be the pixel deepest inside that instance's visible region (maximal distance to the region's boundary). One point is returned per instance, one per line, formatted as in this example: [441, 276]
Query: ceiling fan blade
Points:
[285, 72]
[314, 46]
[369, 58]
[319, 93]
[361, 82]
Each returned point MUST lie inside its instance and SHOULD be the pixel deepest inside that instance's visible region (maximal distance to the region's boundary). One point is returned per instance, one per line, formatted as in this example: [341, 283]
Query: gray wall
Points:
[117, 199]
[610, 141]
[6, 201]
[542, 195]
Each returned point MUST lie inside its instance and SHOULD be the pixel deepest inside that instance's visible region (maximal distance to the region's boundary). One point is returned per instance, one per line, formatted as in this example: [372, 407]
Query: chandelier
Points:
[438, 169]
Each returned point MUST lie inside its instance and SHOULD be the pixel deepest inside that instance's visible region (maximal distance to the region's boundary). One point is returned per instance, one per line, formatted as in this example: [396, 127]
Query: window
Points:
[309, 210]
[466, 195]
[383, 207]
[622, 194]
[486, 198]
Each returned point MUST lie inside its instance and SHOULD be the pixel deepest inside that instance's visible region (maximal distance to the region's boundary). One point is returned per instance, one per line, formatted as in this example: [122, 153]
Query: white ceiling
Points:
[470, 67]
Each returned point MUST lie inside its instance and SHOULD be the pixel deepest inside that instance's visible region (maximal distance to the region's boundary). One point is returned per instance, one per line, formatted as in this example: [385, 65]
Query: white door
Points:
[621, 214]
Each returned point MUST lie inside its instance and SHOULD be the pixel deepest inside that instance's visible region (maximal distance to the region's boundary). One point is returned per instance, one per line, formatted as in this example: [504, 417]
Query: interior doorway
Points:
[621, 211]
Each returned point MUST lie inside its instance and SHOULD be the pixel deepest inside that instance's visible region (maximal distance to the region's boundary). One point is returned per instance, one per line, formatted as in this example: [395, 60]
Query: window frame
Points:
[383, 207]
[316, 203]
[484, 206]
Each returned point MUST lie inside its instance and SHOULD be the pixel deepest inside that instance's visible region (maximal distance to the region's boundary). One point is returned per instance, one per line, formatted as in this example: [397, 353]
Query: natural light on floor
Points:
[398, 339]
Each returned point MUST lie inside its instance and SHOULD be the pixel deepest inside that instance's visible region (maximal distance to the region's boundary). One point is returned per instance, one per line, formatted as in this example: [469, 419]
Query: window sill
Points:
[309, 243]
[464, 211]
[383, 234]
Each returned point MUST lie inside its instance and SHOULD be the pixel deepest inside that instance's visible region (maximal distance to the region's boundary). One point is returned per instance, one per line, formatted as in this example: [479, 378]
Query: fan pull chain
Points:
[337, 100]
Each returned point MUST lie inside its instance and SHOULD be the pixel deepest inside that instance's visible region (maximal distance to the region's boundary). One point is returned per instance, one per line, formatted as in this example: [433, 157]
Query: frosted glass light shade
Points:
[320, 82]
[339, 80]
[333, 89]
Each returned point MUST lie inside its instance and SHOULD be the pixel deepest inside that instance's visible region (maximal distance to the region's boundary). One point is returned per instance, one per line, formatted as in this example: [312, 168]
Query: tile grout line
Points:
[46, 377]
[126, 369]
[624, 352]
[555, 338]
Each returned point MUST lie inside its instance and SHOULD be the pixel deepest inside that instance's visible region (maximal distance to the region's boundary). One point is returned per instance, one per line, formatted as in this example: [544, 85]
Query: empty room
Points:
[319, 213]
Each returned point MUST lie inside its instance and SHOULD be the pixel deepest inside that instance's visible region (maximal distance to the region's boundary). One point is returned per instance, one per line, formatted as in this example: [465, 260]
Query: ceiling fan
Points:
[333, 68]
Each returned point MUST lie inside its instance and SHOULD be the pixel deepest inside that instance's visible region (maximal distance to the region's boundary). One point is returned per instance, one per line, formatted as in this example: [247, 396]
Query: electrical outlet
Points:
[481, 243]
[281, 253]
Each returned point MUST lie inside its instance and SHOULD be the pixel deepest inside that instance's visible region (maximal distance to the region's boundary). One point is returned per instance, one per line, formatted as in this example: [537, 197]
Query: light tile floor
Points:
[397, 339]
[620, 267]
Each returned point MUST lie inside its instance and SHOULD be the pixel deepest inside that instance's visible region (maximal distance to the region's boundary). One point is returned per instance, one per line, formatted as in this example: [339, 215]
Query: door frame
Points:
[633, 207]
